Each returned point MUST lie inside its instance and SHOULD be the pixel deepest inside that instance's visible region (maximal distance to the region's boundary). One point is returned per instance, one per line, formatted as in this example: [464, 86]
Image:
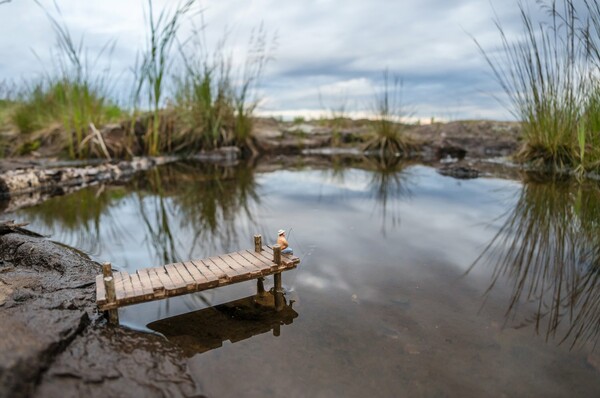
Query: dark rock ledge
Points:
[55, 344]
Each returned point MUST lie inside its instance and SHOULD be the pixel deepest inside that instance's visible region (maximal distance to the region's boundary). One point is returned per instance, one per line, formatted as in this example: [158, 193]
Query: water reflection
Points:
[78, 218]
[171, 204]
[389, 181]
[207, 329]
[549, 252]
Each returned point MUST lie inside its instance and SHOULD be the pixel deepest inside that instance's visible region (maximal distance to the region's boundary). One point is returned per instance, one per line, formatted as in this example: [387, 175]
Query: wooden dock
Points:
[119, 289]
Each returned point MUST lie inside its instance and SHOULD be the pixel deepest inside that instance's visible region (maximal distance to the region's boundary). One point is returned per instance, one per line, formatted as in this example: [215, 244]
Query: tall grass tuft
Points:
[388, 129]
[202, 100]
[72, 94]
[550, 76]
[152, 71]
[213, 106]
[245, 97]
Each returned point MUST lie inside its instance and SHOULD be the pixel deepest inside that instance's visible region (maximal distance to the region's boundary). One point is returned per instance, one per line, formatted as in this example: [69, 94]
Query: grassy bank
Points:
[182, 99]
[550, 75]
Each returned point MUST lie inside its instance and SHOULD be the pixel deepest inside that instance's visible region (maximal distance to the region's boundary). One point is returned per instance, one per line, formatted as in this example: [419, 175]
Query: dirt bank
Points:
[55, 343]
[460, 139]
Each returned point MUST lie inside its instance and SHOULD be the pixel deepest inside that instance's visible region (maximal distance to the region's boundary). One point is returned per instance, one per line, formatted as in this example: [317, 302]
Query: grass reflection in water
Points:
[549, 251]
[205, 201]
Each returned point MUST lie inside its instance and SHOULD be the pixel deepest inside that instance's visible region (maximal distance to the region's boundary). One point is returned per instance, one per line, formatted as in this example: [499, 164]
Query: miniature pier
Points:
[119, 289]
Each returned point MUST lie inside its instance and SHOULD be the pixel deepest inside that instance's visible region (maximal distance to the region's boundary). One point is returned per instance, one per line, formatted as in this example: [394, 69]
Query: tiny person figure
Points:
[282, 241]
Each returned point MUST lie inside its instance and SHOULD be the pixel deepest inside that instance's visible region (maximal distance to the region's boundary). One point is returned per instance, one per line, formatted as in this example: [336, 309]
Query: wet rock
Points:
[36, 326]
[55, 344]
[31, 338]
[460, 172]
[292, 145]
[452, 151]
[267, 129]
[302, 128]
[224, 155]
[110, 362]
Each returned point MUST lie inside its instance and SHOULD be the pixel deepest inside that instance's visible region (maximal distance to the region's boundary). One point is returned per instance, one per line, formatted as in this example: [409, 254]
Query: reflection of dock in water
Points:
[207, 329]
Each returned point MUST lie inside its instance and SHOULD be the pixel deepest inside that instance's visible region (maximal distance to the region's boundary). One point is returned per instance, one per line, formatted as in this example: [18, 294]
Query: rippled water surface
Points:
[411, 283]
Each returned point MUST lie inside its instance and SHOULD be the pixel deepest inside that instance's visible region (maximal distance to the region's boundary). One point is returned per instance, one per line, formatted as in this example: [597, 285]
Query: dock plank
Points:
[120, 292]
[170, 287]
[251, 268]
[130, 292]
[263, 265]
[221, 274]
[186, 276]
[260, 259]
[146, 283]
[205, 271]
[202, 282]
[174, 275]
[137, 286]
[229, 273]
[122, 289]
[143, 292]
[232, 264]
[265, 256]
[234, 273]
[100, 289]
[157, 284]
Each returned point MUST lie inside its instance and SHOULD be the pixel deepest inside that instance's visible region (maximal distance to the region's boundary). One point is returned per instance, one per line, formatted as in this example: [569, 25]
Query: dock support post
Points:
[257, 243]
[111, 296]
[260, 285]
[278, 289]
[106, 270]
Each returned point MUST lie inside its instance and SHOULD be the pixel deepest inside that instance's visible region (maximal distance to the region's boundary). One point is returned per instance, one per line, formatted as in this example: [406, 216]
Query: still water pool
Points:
[411, 283]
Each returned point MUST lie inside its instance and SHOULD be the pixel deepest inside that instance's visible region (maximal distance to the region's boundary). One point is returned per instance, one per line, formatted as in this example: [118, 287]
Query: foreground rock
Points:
[55, 344]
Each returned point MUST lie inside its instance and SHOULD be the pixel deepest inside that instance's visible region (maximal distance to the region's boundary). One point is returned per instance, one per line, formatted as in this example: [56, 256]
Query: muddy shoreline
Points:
[453, 147]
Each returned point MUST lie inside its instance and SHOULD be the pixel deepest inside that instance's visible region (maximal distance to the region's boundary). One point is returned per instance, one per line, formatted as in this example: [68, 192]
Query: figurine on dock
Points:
[282, 241]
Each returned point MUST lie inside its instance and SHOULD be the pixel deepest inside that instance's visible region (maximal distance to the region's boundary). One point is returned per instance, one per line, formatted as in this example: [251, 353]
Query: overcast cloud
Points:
[335, 50]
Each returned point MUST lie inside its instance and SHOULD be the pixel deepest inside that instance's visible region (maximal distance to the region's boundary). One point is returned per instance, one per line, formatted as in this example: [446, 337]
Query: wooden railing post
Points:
[111, 295]
[257, 243]
[278, 289]
[106, 270]
[277, 254]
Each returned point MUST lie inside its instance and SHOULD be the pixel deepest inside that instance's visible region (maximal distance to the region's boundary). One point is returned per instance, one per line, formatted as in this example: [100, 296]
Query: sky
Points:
[326, 54]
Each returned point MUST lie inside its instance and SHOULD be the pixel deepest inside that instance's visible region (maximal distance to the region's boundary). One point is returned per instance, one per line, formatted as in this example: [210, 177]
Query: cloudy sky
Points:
[328, 53]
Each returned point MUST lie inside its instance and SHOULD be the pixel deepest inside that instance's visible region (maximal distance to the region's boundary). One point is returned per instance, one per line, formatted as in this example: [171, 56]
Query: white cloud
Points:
[336, 48]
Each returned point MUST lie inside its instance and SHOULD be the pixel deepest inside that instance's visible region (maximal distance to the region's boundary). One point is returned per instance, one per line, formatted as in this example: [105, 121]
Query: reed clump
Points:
[389, 138]
[550, 76]
[181, 101]
[214, 106]
[72, 95]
